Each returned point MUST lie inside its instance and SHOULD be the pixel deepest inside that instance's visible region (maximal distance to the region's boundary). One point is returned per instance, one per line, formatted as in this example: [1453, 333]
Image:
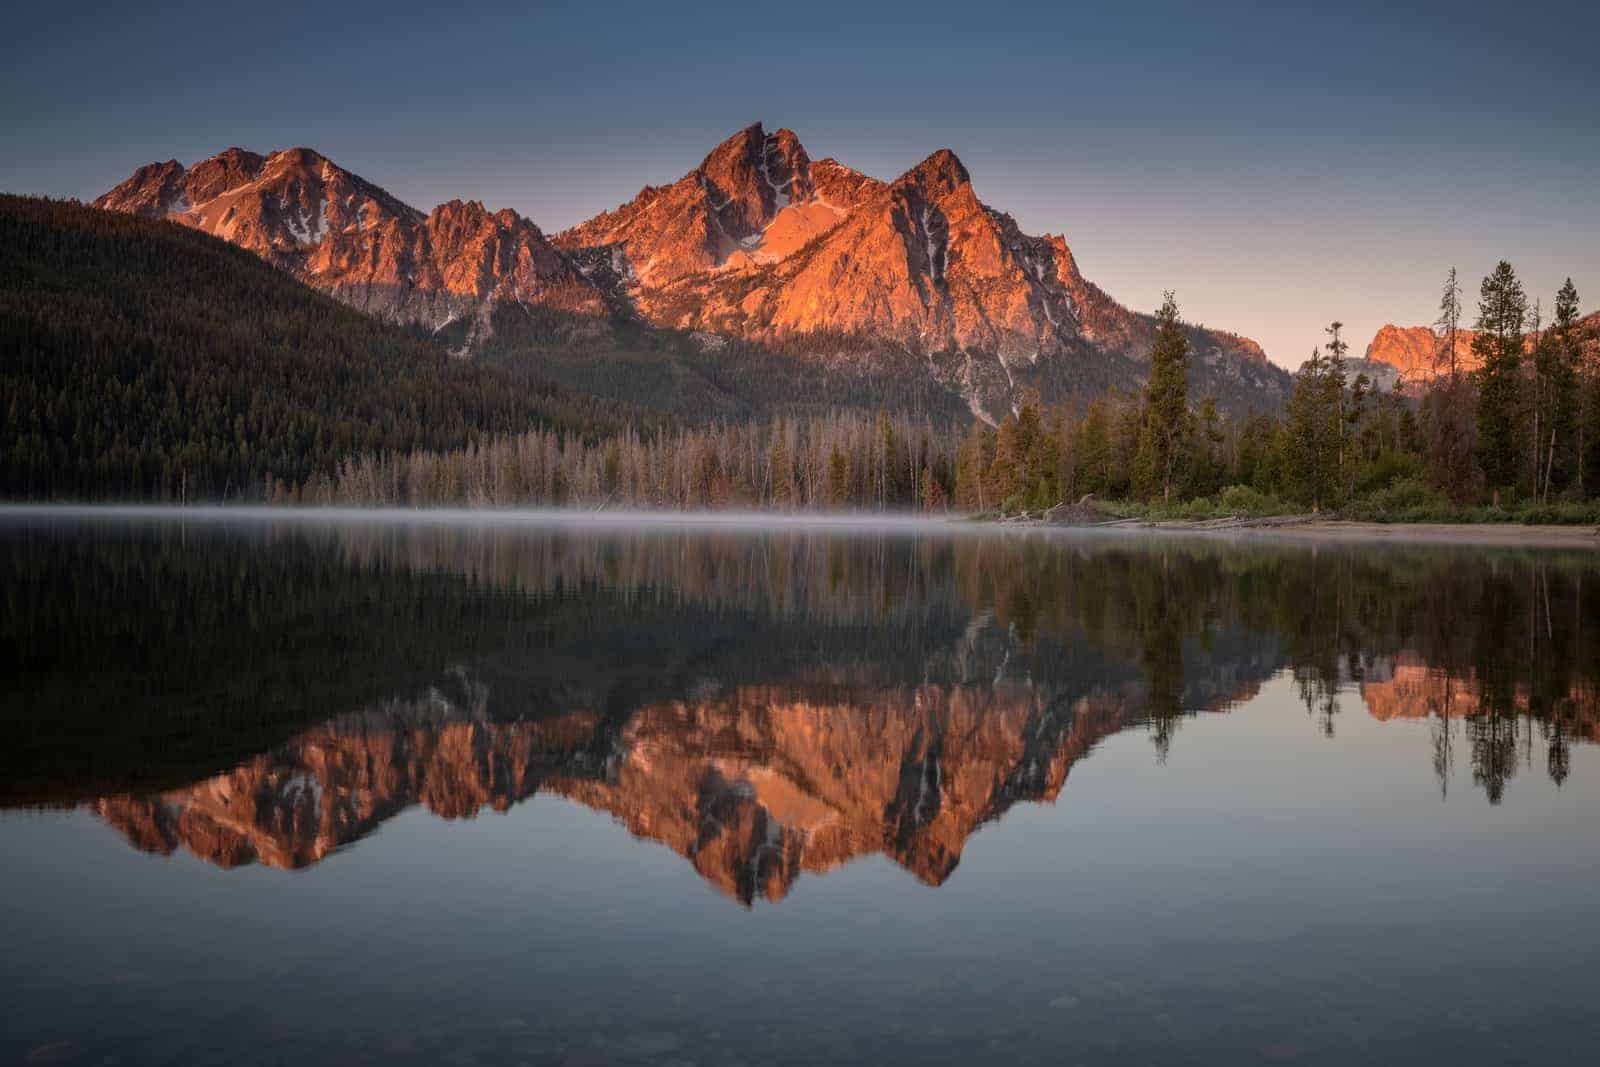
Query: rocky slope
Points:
[752, 787]
[759, 242]
[1416, 353]
[1410, 356]
[301, 212]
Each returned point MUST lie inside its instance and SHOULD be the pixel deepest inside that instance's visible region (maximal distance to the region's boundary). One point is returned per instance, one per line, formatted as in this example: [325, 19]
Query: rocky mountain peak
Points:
[301, 212]
[937, 176]
[752, 176]
[758, 242]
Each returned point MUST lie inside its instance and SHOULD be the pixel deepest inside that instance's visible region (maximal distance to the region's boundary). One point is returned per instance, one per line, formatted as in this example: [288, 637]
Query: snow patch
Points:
[934, 270]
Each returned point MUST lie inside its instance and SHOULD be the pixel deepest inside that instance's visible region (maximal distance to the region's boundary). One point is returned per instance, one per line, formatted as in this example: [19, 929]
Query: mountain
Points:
[1413, 354]
[302, 213]
[1406, 356]
[139, 359]
[753, 787]
[758, 244]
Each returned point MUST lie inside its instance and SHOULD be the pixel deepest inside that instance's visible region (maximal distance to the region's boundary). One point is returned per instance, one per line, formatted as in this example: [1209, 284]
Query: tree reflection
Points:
[152, 656]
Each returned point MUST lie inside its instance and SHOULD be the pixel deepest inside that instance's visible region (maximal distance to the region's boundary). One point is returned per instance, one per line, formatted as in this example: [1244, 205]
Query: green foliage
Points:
[1248, 500]
[1407, 500]
[1165, 418]
[683, 378]
[1502, 311]
[141, 359]
[1385, 469]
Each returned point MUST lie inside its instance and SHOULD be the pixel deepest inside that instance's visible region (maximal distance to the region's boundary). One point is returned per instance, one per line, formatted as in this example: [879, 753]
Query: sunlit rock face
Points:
[1417, 354]
[301, 212]
[758, 242]
[1409, 357]
[761, 243]
[766, 706]
[753, 787]
[1411, 688]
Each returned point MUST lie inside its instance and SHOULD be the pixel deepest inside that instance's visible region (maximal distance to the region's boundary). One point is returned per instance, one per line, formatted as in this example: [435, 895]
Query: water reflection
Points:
[764, 704]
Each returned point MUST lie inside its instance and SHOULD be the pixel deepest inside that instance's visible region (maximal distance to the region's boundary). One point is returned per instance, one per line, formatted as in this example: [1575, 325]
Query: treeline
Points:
[846, 460]
[700, 379]
[144, 360]
[1519, 430]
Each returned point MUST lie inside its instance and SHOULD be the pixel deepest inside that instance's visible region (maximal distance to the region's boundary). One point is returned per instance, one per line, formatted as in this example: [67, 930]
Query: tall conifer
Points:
[1166, 404]
[1502, 311]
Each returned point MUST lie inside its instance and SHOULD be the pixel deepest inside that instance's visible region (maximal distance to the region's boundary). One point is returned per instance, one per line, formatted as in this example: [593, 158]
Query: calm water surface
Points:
[388, 792]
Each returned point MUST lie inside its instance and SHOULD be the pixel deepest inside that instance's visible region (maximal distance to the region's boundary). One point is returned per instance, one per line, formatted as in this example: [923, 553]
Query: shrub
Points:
[1559, 513]
[1248, 500]
[1386, 471]
[1406, 500]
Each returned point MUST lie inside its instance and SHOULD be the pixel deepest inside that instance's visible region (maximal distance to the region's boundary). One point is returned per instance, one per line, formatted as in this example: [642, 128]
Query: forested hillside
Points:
[141, 359]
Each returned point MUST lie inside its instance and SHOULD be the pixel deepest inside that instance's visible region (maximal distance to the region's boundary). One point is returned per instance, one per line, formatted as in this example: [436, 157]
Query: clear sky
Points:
[1277, 164]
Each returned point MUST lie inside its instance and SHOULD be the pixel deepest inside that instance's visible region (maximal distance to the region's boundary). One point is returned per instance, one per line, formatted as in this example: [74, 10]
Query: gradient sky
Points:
[1278, 165]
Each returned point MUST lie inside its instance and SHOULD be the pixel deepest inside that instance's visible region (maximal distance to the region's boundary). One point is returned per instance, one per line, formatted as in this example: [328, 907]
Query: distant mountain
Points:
[1412, 355]
[1406, 357]
[759, 243]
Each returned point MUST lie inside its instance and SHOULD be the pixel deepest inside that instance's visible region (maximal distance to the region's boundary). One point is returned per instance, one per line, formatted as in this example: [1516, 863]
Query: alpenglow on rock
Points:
[759, 242]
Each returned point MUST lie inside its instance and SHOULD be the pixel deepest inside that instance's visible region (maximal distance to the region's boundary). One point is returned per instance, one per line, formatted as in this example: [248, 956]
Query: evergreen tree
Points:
[1447, 328]
[1166, 406]
[1502, 312]
[1341, 413]
[1311, 431]
[838, 477]
[1092, 450]
[1557, 356]
[972, 468]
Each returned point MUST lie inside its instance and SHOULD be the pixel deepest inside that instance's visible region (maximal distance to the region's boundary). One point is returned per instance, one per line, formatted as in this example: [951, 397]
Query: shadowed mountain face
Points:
[758, 243]
[763, 703]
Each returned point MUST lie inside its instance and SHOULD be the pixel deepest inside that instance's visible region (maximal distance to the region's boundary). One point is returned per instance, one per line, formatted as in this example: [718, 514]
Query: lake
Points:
[529, 789]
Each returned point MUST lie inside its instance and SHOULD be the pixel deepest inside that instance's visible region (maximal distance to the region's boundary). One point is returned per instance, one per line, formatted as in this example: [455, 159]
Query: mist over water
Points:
[545, 787]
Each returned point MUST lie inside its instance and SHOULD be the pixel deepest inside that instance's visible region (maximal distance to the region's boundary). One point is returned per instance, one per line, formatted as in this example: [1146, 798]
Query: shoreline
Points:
[1450, 533]
[1275, 527]
[1311, 528]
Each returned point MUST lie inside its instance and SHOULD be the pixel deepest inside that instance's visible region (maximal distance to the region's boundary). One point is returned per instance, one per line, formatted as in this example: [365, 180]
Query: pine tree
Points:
[1448, 329]
[1311, 430]
[972, 466]
[1092, 451]
[1338, 415]
[1557, 358]
[1008, 470]
[1452, 429]
[1166, 405]
[1502, 311]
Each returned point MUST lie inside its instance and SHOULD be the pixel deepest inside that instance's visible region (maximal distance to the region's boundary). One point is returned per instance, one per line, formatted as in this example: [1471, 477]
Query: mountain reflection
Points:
[752, 786]
[765, 704]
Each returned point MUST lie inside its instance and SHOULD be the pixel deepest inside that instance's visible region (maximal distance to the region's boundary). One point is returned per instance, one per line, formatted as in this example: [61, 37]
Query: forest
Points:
[141, 360]
[1516, 438]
